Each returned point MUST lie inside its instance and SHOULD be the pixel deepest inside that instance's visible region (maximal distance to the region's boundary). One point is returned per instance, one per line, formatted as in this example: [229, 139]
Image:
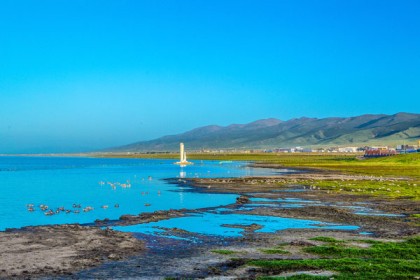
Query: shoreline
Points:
[92, 245]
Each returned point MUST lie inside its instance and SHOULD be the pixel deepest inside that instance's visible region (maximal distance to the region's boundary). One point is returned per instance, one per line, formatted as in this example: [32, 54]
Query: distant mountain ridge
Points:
[274, 133]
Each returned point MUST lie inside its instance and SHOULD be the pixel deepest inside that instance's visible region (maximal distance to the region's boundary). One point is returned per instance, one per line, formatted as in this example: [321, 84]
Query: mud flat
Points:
[396, 218]
[271, 183]
[142, 218]
[58, 250]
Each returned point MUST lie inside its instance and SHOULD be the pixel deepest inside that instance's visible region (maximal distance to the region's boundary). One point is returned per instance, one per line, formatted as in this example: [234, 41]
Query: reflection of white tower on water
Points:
[182, 156]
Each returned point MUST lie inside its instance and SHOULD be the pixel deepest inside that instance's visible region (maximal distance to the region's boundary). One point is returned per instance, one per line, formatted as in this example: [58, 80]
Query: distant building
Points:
[283, 150]
[383, 148]
[405, 149]
[379, 152]
[348, 149]
[332, 150]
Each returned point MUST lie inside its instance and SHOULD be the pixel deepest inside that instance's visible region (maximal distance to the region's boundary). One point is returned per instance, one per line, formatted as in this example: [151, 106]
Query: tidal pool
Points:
[367, 211]
[215, 224]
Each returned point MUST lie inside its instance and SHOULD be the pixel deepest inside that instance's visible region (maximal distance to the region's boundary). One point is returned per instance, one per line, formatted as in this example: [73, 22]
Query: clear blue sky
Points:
[83, 74]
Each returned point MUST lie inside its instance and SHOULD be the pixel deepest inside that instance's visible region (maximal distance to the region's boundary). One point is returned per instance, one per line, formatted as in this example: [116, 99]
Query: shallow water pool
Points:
[218, 224]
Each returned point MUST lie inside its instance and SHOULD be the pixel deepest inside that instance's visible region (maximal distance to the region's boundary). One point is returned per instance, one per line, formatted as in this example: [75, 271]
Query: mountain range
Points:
[273, 133]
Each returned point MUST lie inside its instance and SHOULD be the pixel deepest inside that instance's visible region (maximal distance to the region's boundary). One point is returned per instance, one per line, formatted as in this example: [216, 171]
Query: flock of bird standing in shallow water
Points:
[76, 208]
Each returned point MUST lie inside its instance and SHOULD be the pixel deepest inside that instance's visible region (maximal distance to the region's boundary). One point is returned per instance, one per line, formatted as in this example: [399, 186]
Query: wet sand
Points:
[60, 250]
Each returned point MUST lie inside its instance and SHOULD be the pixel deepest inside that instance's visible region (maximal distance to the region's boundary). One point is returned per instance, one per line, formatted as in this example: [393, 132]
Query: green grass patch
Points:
[224, 252]
[368, 241]
[327, 239]
[274, 251]
[296, 277]
[385, 188]
[409, 249]
[383, 260]
[350, 268]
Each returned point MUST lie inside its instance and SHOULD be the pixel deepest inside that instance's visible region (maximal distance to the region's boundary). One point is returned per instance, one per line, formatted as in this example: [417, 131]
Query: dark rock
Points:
[242, 200]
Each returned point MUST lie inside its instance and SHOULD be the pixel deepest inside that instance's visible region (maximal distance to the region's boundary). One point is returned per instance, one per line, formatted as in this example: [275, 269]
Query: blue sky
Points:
[79, 75]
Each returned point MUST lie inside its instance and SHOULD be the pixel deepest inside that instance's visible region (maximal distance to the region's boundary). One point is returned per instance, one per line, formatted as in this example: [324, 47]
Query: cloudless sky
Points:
[77, 75]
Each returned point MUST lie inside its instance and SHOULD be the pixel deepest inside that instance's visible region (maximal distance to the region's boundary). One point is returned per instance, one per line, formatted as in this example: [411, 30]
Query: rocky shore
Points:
[330, 206]
[126, 220]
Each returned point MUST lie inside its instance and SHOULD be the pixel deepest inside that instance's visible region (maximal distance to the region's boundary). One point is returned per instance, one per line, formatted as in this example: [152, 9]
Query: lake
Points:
[109, 188]
[64, 181]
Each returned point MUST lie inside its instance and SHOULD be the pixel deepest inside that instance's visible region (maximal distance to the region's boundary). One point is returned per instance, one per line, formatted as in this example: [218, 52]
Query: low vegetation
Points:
[381, 260]
[385, 188]
[274, 251]
[224, 252]
[326, 239]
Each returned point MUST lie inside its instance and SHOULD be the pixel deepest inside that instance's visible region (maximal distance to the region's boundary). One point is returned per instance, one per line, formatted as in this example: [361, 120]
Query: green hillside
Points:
[271, 133]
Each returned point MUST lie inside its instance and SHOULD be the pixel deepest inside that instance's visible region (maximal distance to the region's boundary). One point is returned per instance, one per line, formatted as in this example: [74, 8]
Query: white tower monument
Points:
[182, 155]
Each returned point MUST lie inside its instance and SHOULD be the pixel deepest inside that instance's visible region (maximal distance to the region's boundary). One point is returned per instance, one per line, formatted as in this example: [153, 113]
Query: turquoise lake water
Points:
[136, 186]
[64, 181]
